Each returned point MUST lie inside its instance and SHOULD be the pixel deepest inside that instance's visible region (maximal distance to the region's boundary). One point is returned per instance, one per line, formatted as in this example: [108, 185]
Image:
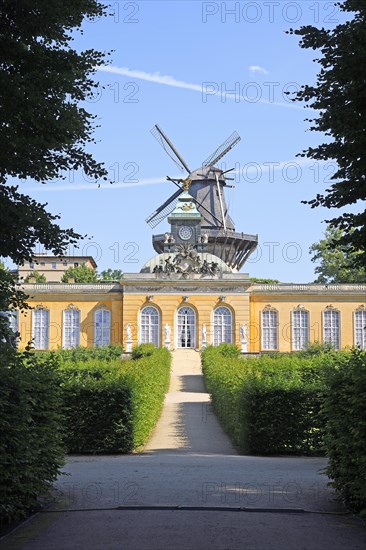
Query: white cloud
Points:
[54, 187]
[205, 89]
[253, 168]
[257, 69]
[151, 77]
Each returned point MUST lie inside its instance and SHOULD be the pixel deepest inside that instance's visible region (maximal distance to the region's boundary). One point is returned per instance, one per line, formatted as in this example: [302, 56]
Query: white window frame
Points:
[150, 325]
[360, 327]
[192, 338]
[103, 338]
[41, 334]
[269, 329]
[222, 326]
[300, 329]
[71, 330]
[332, 329]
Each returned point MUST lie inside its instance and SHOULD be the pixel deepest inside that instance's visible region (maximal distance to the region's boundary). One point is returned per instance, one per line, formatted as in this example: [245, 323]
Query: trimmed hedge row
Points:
[83, 400]
[345, 409]
[31, 447]
[268, 405]
[301, 403]
[80, 354]
[112, 406]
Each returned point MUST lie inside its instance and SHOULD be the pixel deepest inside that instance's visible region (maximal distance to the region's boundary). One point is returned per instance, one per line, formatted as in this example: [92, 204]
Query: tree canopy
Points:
[39, 277]
[111, 275]
[44, 130]
[336, 265]
[339, 96]
[82, 274]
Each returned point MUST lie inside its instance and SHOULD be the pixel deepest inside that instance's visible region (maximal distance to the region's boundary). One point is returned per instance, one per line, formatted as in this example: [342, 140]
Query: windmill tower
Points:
[206, 187]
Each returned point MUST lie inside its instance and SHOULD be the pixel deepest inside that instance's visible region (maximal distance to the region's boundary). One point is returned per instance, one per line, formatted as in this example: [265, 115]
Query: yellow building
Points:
[193, 313]
[191, 294]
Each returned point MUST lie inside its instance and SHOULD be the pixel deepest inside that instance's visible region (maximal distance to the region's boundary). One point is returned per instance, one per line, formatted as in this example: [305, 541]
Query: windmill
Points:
[206, 186]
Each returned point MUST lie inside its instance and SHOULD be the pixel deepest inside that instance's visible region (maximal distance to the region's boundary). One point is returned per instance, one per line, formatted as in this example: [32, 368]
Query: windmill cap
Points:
[206, 173]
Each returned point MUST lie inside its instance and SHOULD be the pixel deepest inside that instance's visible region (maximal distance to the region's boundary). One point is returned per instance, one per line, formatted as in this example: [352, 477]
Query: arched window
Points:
[40, 328]
[102, 327]
[360, 327]
[269, 329]
[71, 328]
[331, 327]
[186, 327]
[150, 326]
[222, 325]
[300, 329]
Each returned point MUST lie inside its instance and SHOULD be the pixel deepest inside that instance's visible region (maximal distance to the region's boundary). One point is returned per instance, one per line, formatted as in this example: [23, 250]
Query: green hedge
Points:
[268, 405]
[31, 448]
[345, 408]
[80, 354]
[112, 406]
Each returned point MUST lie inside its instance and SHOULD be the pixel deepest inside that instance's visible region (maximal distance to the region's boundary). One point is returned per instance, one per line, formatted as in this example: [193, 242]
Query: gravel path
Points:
[187, 423]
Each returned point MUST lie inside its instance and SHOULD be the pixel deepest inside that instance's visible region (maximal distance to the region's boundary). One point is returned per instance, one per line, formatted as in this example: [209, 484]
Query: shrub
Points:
[97, 407]
[268, 405]
[112, 406]
[39, 277]
[81, 274]
[31, 433]
[344, 407]
[142, 350]
[228, 350]
[82, 354]
[148, 379]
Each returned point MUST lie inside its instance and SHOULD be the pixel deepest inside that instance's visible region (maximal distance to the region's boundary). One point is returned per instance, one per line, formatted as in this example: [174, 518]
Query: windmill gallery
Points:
[191, 293]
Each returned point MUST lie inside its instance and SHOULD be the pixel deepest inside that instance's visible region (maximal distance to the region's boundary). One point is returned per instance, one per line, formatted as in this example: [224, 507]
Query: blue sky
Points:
[200, 70]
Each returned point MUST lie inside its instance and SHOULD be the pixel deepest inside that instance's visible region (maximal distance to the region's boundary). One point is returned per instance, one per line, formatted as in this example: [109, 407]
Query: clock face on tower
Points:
[185, 232]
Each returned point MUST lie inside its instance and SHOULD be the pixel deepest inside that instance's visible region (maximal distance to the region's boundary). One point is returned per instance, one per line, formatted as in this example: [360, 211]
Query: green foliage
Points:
[344, 408]
[111, 275]
[142, 350]
[31, 423]
[97, 405]
[315, 348]
[82, 354]
[10, 299]
[264, 281]
[228, 350]
[268, 405]
[44, 130]
[44, 126]
[39, 277]
[339, 98]
[148, 378]
[336, 264]
[112, 405]
[82, 274]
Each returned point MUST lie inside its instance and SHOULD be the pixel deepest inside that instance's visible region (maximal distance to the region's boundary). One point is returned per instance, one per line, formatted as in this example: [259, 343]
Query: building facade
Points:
[176, 313]
[52, 267]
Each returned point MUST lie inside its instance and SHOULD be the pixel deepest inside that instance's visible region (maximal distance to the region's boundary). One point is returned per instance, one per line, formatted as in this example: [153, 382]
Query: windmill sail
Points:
[228, 144]
[164, 210]
[169, 148]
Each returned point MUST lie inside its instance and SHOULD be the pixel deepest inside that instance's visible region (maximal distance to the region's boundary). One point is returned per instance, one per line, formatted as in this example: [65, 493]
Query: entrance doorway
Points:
[186, 327]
